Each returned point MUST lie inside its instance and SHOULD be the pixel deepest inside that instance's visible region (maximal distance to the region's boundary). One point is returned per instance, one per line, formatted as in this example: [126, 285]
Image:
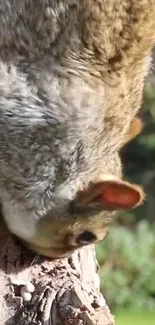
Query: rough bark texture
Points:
[66, 291]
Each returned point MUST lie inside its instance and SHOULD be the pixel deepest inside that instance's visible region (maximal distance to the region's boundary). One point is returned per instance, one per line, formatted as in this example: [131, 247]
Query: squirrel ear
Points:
[113, 194]
[136, 128]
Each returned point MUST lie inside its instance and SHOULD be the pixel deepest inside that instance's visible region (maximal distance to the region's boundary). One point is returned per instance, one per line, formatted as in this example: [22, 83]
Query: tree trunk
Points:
[66, 291]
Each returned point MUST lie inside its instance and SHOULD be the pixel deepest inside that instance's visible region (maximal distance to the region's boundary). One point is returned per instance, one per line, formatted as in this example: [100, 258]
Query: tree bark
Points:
[66, 290]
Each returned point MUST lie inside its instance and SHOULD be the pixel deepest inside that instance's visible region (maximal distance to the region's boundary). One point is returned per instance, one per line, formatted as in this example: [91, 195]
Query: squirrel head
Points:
[87, 218]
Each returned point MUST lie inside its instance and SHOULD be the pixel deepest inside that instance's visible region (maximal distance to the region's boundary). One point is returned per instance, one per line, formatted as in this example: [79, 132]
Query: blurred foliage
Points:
[127, 267]
[127, 255]
[131, 318]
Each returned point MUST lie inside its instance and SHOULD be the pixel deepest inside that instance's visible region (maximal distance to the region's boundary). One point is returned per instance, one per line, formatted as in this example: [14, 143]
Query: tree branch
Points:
[66, 291]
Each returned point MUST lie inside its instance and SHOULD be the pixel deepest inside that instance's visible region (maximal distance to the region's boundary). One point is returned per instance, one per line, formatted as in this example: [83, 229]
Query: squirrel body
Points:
[72, 74]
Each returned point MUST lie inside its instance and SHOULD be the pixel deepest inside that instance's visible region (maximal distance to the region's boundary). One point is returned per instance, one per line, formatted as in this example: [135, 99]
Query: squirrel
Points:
[72, 74]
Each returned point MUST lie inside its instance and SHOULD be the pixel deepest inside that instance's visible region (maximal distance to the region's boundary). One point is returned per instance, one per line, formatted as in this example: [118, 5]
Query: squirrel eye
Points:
[85, 238]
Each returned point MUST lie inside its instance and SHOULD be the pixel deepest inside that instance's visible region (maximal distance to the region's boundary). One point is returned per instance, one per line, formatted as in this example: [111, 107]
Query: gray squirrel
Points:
[72, 74]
